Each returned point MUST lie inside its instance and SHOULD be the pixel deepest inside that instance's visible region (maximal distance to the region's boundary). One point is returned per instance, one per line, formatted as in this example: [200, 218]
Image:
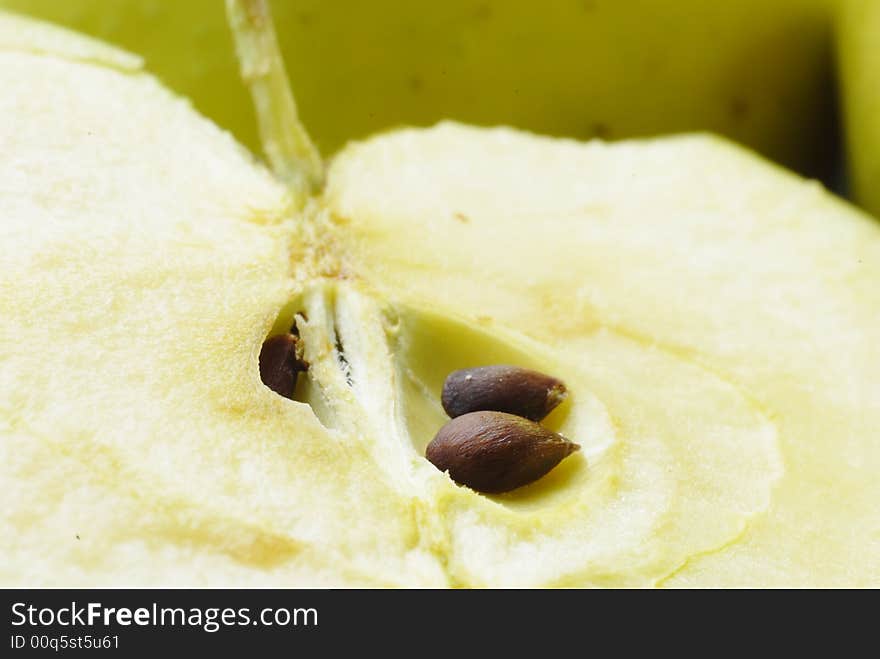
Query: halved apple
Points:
[713, 316]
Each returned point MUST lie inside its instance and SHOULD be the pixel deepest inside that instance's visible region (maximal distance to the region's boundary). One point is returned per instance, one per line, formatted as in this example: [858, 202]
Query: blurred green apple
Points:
[859, 58]
[752, 70]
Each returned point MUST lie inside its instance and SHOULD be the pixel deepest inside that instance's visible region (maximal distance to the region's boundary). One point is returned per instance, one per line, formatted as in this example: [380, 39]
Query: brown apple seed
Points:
[502, 388]
[495, 451]
[281, 362]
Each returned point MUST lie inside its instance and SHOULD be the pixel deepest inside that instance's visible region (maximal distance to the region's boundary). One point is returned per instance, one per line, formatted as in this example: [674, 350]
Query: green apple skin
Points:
[754, 71]
[859, 59]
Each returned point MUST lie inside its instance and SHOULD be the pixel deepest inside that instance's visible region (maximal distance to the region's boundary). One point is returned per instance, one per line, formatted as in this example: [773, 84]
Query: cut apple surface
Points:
[713, 317]
[715, 304]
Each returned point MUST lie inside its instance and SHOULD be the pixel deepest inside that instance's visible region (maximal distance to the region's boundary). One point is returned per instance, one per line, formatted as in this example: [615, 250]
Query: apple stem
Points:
[291, 153]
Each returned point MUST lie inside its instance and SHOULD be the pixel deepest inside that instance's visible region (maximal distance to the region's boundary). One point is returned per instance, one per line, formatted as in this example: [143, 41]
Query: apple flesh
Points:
[713, 316]
[755, 71]
[721, 309]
